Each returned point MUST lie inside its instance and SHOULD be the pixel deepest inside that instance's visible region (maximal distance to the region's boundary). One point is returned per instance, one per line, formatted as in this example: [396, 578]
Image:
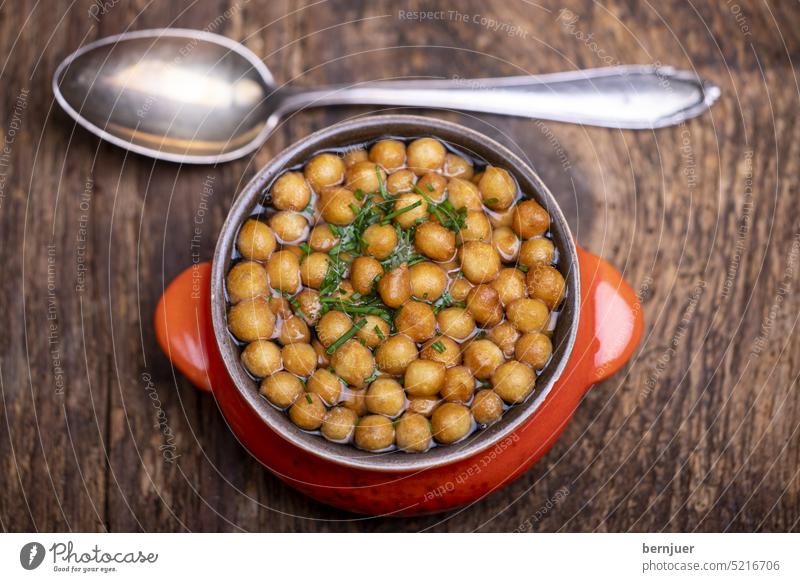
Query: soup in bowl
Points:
[398, 293]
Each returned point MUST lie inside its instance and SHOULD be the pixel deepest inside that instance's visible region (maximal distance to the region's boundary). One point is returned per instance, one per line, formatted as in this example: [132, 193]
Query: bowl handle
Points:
[611, 317]
[183, 325]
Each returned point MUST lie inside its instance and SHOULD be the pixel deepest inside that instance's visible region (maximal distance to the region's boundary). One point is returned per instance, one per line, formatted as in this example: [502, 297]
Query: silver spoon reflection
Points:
[195, 97]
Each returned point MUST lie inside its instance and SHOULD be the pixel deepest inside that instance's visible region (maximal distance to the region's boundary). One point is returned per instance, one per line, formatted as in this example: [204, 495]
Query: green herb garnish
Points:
[388, 218]
[346, 336]
[309, 399]
[438, 346]
[379, 333]
[294, 303]
[449, 216]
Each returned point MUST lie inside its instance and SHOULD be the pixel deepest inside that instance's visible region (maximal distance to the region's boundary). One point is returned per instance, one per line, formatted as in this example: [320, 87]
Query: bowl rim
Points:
[386, 125]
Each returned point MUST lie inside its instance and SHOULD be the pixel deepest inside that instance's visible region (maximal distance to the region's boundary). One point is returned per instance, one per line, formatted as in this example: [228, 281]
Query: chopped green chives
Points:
[438, 346]
[346, 336]
[388, 218]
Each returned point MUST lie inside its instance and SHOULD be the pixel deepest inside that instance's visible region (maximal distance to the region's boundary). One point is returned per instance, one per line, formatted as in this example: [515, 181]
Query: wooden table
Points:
[699, 433]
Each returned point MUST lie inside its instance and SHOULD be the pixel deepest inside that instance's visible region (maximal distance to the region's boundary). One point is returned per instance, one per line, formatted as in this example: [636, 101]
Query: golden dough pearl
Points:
[528, 219]
[256, 241]
[534, 349]
[290, 192]
[487, 407]
[433, 185]
[498, 188]
[416, 320]
[364, 176]
[506, 243]
[413, 433]
[307, 412]
[428, 281]
[510, 285]
[251, 320]
[353, 363]
[322, 238]
[435, 241]
[262, 358]
[325, 384]
[451, 422]
[536, 251]
[375, 331]
[313, 269]
[385, 396]
[395, 354]
[354, 156]
[417, 209]
[423, 405]
[355, 400]
[283, 269]
[379, 240]
[528, 315]
[339, 205]
[459, 385]
[513, 381]
[323, 361]
[390, 154]
[464, 194]
[395, 287]
[547, 284]
[289, 226]
[282, 389]
[310, 305]
[324, 170]
[442, 349]
[332, 326]
[280, 306]
[363, 273]
[338, 424]
[459, 289]
[505, 335]
[456, 323]
[480, 263]
[374, 433]
[483, 302]
[424, 378]
[457, 167]
[293, 330]
[246, 280]
[483, 357]
[425, 154]
[476, 227]
[401, 181]
[299, 358]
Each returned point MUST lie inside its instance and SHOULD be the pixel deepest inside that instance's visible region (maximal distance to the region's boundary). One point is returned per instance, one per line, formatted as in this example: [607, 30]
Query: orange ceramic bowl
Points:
[598, 329]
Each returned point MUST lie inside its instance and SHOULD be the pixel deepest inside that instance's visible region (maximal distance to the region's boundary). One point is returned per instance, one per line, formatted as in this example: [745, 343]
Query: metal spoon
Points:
[194, 97]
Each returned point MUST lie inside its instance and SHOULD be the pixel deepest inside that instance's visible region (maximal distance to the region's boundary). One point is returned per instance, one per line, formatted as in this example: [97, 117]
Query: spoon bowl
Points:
[196, 97]
[174, 94]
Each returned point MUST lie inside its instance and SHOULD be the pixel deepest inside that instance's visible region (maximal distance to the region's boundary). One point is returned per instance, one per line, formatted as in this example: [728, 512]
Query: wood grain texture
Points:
[700, 433]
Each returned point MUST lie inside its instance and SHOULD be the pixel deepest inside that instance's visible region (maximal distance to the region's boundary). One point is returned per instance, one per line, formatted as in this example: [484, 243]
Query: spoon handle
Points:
[626, 97]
